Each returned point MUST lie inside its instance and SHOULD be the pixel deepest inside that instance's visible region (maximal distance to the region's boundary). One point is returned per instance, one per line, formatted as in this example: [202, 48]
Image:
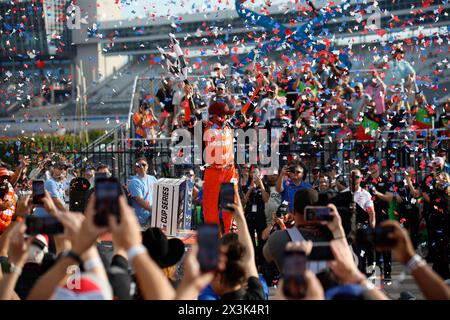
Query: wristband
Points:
[415, 262]
[367, 285]
[72, 255]
[92, 263]
[9, 267]
[135, 251]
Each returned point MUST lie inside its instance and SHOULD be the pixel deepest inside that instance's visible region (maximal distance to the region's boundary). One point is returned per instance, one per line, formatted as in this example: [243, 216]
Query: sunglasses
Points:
[141, 165]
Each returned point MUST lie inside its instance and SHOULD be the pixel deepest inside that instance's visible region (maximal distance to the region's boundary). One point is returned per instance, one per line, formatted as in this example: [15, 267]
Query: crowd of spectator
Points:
[310, 104]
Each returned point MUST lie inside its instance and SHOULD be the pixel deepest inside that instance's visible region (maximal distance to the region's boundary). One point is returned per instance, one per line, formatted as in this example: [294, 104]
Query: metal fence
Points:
[119, 152]
[346, 155]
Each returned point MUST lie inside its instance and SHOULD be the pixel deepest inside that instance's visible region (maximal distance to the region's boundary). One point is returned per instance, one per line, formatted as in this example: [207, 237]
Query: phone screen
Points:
[293, 274]
[38, 191]
[43, 225]
[226, 196]
[208, 247]
[318, 214]
[321, 251]
[107, 192]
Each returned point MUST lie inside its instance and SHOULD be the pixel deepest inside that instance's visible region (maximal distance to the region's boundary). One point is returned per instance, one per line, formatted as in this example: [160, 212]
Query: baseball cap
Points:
[37, 249]
[442, 152]
[217, 65]
[359, 85]
[221, 85]
[347, 292]
[88, 287]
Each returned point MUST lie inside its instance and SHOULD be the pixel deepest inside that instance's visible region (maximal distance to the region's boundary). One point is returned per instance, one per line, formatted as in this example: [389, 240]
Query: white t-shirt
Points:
[397, 73]
[273, 204]
[363, 198]
[269, 106]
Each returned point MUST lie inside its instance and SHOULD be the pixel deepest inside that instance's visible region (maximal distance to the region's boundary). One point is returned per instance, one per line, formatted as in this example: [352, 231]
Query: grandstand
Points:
[211, 37]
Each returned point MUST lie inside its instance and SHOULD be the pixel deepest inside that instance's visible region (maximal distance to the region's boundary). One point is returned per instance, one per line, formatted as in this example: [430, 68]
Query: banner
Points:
[169, 197]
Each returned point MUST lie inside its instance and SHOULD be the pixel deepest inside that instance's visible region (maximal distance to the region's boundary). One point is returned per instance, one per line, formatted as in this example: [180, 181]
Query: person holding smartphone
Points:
[56, 188]
[290, 181]
[239, 280]
[256, 196]
[380, 187]
[407, 196]
[305, 230]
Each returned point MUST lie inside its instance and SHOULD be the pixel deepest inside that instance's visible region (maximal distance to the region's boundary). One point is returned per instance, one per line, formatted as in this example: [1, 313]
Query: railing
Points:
[119, 152]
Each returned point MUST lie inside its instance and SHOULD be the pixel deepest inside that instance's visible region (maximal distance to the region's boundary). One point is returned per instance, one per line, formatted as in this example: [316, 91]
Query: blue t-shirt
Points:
[56, 190]
[142, 187]
[447, 168]
[289, 190]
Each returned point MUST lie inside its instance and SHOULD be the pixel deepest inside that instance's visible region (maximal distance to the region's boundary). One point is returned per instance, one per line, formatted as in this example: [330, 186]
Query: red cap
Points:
[220, 108]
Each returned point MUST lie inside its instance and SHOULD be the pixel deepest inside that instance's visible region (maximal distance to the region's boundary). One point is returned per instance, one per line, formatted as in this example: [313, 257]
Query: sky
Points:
[140, 8]
[135, 8]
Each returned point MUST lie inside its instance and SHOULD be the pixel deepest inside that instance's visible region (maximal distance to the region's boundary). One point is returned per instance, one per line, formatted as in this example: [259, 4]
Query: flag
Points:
[423, 119]
[367, 129]
[175, 61]
[176, 64]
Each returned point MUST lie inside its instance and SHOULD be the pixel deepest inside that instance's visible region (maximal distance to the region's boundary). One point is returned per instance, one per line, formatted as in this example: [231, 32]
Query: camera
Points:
[290, 169]
[371, 188]
[378, 237]
[282, 210]
[4, 188]
[316, 214]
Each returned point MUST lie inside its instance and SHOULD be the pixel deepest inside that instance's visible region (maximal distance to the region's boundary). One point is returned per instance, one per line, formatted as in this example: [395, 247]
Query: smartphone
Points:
[43, 225]
[321, 251]
[294, 286]
[101, 175]
[208, 247]
[107, 192]
[38, 191]
[226, 196]
[315, 214]
[380, 237]
[256, 174]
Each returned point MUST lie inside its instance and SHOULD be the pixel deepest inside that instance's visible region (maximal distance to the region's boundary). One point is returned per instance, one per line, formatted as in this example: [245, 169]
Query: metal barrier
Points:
[120, 153]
